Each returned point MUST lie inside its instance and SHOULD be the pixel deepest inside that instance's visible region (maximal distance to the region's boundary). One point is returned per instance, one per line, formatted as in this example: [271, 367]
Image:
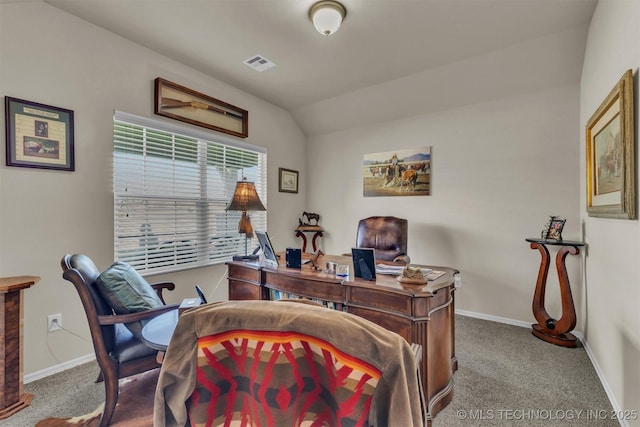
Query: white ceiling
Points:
[381, 42]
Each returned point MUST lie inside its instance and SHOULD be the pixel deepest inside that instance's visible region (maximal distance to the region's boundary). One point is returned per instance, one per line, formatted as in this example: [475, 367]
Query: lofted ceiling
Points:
[397, 43]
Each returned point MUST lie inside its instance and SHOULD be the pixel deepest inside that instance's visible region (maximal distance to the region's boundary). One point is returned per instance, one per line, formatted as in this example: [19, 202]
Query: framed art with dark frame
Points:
[611, 166]
[287, 180]
[38, 136]
[186, 105]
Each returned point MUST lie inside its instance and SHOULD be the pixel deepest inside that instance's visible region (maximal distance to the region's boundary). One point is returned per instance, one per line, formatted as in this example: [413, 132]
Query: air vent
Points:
[259, 63]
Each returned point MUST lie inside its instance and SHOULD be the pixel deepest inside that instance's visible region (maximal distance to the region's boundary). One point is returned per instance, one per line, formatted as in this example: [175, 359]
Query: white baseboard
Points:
[58, 368]
[578, 334]
[498, 319]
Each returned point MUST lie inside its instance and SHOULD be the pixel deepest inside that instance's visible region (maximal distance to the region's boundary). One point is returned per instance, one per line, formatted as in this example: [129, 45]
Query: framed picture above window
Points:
[611, 168]
[287, 180]
[184, 104]
[38, 136]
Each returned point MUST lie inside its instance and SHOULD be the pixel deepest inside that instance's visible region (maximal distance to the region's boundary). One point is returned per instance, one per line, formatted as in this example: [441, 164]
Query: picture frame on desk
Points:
[270, 259]
[38, 136]
[611, 168]
[364, 263]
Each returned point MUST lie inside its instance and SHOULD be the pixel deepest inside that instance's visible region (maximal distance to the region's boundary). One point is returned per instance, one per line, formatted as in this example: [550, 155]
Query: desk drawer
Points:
[239, 290]
[244, 273]
[317, 289]
[380, 299]
[400, 325]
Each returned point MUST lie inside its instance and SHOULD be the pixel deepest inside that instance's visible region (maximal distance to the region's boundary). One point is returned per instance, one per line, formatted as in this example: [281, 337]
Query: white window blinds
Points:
[171, 186]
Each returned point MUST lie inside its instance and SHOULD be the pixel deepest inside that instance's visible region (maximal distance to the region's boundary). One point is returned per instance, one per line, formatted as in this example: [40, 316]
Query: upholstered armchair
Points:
[387, 235]
[286, 363]
[119, 352]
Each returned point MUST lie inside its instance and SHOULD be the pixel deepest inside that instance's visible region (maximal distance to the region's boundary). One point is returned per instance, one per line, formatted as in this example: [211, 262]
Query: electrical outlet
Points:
[54, 322]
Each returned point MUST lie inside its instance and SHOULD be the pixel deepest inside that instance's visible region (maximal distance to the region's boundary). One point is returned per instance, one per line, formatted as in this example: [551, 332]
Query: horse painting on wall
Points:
[397, 173]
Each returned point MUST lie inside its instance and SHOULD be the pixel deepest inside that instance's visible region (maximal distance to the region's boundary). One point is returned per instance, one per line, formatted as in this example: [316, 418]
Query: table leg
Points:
[304, 240]
[549, 329]
[314, 241]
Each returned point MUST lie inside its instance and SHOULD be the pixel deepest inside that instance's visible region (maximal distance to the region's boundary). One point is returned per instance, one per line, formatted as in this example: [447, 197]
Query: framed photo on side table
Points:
[611, 168]
[38, 136]
[287, 180]
[553, 229]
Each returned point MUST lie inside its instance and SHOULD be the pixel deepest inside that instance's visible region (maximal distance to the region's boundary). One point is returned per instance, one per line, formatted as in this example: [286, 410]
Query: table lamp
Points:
[245, 198]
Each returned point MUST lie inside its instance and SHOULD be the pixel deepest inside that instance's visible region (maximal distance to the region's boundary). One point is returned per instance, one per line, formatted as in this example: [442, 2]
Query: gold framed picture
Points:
[184, 104]
[611, 167]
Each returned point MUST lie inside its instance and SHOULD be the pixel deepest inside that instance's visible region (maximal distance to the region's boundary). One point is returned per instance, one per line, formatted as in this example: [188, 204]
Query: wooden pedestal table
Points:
[549, 329]
[317, 232]
[12, 396]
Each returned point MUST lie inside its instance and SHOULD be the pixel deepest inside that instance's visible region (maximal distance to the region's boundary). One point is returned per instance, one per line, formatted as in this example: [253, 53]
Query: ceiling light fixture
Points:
[327, 15]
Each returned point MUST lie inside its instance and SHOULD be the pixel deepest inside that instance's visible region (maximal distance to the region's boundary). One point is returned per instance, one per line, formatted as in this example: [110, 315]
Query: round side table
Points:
[549, 329]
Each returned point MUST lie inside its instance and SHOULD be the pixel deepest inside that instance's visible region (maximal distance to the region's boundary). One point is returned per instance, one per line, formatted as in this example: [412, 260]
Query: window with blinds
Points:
[171, 186]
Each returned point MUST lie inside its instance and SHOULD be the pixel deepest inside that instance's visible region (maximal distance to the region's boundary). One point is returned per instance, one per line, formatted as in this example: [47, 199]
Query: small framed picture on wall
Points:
[287, 180]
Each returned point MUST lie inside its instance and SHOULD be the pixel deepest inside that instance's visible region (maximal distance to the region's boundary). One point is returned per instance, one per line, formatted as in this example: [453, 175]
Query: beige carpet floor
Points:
[506, 377]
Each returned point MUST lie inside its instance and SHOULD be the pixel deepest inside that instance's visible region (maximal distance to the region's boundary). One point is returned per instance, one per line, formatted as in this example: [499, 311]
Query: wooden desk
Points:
[12, 396]
[420, 314]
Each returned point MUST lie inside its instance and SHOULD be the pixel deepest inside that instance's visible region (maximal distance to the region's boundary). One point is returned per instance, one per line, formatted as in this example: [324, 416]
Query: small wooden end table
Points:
[12, 396]
[549, 329]
[317, 232]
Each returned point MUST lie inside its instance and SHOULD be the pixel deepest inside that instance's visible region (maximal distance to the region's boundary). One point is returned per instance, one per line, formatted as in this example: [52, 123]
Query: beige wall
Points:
[611, 288]
[499, 169]
[53, 58]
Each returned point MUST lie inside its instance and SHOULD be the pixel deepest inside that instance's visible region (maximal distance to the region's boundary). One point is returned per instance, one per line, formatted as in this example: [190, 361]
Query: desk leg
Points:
[548, 329]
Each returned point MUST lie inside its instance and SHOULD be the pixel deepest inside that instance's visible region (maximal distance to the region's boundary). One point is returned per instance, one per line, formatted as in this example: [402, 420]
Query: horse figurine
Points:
[315, 264]
[311, 216]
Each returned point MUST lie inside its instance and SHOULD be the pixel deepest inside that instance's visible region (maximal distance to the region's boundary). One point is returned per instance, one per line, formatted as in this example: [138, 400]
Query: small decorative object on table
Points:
[310, 216]
[293, 257]
[553, 228]
[413, 276]
[307, 227]
[315, 264]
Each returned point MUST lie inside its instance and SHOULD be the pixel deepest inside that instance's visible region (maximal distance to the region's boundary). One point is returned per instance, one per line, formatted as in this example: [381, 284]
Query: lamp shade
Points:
[245, 198]
[327, 16]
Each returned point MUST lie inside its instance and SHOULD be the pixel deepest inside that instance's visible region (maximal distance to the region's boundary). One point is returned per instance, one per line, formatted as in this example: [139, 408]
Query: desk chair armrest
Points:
[160, 286]
[134, 317]
[402, 259]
